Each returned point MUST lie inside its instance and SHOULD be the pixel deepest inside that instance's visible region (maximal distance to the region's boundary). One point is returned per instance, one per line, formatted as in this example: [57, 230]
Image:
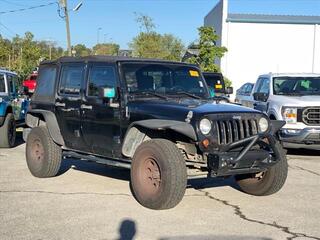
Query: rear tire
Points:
[42, 154]
[268, 182]
[158, 174]
[8, 132]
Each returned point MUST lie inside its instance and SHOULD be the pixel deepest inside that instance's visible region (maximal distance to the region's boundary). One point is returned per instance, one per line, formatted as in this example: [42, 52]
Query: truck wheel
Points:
[8, 132]
[42, 154]
[268, 182]
[158, 174]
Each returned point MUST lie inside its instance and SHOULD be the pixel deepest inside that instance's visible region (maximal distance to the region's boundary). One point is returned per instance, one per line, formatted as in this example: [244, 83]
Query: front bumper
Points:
[250, 159]
[305, 138]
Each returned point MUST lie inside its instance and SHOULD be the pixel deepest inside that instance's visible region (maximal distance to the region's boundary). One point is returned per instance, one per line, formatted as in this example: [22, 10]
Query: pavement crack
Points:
[304, 169]
[67, 193]
[239, 213]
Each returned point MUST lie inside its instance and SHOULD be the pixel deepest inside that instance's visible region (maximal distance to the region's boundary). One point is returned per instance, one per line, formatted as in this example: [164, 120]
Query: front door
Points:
[262, 87]
[68, 103]
[100, 121]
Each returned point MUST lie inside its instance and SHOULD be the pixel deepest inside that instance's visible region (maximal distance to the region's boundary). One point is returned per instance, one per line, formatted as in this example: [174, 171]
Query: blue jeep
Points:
[13, 108]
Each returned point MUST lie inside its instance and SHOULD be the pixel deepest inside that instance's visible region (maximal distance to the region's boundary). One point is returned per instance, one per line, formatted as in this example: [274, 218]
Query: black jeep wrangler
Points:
[155, 117]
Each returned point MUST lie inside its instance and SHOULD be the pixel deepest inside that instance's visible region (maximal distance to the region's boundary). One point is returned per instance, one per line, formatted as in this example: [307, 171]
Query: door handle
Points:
[88, 107]
[59, 104]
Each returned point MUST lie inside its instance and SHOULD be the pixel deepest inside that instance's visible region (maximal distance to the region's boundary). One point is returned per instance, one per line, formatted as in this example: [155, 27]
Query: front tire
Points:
[42, 154]
[158, 174]
[8, 132]
[268, 182]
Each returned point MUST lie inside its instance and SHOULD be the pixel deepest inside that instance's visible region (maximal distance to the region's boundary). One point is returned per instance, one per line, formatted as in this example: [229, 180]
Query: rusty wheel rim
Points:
[37, 153]
[150, 177]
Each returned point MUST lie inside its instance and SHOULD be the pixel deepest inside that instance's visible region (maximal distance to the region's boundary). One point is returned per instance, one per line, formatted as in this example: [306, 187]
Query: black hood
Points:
[175, 109]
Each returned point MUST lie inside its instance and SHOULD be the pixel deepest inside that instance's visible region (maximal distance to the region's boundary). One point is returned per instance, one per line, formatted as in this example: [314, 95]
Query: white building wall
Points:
[257, 48]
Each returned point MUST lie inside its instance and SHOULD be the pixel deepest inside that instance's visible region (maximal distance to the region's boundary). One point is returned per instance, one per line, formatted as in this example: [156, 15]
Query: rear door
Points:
[68, 103]
[100, 121]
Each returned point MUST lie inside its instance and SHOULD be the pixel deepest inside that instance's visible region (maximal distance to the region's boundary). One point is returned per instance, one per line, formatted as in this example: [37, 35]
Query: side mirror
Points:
[261, 97]
[229, 90]
[107, 93]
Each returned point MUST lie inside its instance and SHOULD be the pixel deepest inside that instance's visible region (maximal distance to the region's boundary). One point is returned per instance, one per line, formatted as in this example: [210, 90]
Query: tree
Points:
[111, 49]
[150, 44]
[81, 50]
[23, 54]
[208, 51]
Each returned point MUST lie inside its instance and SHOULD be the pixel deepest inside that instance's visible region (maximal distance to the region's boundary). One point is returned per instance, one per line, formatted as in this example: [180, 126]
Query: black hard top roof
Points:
[212, 74]
[110, 59]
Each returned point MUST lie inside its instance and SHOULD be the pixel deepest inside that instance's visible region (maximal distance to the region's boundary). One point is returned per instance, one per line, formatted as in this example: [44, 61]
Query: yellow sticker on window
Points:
[218, 86]
[194, 73]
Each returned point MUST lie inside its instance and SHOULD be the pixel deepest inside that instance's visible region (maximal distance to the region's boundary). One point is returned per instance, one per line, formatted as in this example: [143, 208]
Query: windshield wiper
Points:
[290, 94]
[153, 94]
[189, 94]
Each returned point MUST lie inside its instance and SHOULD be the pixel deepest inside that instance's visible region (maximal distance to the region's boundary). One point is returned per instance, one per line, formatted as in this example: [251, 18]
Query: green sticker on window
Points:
[305, 83]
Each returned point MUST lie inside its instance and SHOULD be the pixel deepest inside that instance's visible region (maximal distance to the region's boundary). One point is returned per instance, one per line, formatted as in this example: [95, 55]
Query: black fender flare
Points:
[134, 136]
[33, 120]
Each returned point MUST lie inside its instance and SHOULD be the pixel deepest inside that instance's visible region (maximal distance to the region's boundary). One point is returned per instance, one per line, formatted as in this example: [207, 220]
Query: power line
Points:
[29, 8]
[13, 3]
[8, 29]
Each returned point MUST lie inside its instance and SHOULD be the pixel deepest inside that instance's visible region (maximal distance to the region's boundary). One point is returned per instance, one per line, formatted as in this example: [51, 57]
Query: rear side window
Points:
[46, 83]
[71, 78]
[2, 84]
[100, 76]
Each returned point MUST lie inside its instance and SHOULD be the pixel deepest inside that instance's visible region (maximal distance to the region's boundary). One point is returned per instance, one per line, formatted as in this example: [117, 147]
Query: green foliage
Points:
[227, 82]
[151, 44]
[208, 50]
[111, 49]
[23, 54]
[80, 50]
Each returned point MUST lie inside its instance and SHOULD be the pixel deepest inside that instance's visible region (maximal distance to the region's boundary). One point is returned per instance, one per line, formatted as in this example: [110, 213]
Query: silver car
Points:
[244, 96]
[294, 98]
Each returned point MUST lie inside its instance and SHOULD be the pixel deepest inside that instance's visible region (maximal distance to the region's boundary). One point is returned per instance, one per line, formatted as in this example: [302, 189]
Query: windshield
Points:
[2, 84]
[215, 83]
[296, 85]
[168, 79]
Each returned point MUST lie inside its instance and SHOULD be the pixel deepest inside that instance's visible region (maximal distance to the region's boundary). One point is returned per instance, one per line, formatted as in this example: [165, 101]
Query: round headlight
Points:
[205, 126]
[263, 125]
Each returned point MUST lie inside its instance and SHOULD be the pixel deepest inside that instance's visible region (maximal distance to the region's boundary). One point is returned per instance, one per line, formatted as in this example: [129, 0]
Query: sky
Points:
[116, 18]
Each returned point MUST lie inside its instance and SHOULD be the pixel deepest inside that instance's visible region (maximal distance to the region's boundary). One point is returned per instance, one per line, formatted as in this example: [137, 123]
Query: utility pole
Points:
[64, 5]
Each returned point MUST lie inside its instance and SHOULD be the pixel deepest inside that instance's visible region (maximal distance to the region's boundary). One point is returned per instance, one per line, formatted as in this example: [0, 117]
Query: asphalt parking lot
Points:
[92, 201]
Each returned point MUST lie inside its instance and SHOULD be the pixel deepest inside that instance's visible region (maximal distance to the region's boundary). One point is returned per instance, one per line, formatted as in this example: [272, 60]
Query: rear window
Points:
[46, 83]
[71, 78]
[216, 83]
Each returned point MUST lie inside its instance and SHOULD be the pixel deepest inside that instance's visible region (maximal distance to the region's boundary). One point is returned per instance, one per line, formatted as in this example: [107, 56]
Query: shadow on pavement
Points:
[201, 183]
[94, 168]
[212, 237]
[124, 174]
[127, 230]
[303, 152]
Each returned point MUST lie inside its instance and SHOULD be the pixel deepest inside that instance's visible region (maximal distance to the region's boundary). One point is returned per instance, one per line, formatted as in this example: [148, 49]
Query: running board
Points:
[87, 157]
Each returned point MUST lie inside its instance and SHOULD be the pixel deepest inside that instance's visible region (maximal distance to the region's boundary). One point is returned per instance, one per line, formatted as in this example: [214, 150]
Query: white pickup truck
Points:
[294, 98]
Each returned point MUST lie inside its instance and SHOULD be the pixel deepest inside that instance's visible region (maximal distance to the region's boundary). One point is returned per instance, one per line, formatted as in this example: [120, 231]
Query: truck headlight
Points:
[205, 126]
[263, 125]
[289, 114]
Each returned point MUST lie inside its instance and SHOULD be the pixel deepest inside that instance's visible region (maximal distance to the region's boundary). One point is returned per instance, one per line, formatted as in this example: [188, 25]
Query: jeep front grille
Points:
[229, 131]
[311, 116]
